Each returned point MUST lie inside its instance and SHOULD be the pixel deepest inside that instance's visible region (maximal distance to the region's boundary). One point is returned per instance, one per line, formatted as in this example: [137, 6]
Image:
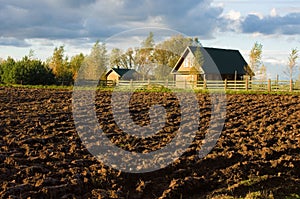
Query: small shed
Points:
[116, 74]
[225, 63]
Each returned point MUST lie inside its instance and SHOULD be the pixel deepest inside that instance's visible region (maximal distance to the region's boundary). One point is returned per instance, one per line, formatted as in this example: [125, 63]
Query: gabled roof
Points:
[227, 61]
[121, 71]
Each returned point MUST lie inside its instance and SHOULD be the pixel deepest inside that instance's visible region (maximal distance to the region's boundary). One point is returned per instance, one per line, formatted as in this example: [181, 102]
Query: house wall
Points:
[182, 81]
[187, 63]
[113, 76]
[190, 76]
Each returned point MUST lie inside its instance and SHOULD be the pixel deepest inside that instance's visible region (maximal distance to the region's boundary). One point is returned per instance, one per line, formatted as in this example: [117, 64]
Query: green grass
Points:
[256, 195]
[293, 196]
[253, 180]
[254, 92]
[157, 88]
[37, 86]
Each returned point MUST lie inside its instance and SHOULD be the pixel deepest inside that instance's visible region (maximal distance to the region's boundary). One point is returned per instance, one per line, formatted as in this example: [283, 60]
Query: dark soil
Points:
[42, 156]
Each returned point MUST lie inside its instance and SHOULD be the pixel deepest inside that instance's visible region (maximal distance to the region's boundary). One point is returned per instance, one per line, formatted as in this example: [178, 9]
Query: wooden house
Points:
[214, 64]
[116, 74]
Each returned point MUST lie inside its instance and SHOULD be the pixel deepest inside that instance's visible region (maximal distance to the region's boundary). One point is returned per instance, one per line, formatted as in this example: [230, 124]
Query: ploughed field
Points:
[42, 156]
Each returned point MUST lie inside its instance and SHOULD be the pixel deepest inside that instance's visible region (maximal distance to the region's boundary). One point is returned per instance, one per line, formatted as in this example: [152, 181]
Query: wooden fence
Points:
[242, 85]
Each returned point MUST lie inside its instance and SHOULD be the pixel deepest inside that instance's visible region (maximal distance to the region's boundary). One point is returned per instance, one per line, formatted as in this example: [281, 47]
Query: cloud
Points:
[11, 41]
[41, 19]
[72, 19]
[275, 24]
[273, 12]
[233, 15]
[190, 17]
[229, 21]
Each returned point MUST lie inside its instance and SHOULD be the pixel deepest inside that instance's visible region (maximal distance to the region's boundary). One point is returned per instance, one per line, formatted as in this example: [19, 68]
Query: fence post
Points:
[167, 83]
[247, 83]
[277, 85]
[269, 85]
[291, 85]
[148, 84]
[225, 84]
[131, 84]
[235, 84]
[204, 84]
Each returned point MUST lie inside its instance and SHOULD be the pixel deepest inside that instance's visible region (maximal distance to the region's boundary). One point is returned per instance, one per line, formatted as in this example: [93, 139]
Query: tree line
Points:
[57, 70]
[151, 60]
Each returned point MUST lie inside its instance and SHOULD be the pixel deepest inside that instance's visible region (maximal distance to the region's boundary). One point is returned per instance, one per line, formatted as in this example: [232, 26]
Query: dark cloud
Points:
[288, 24]
[189, 16]
[13, 42]
[39, 20]
[77, 3]
[75, 19]
[67, 19]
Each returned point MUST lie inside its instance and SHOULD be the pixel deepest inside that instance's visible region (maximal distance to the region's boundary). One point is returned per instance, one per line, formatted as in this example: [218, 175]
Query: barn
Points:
[214, 64]
[116, 74]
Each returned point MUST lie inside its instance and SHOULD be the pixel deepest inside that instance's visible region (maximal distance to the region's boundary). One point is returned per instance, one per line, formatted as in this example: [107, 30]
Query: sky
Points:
[77, 24]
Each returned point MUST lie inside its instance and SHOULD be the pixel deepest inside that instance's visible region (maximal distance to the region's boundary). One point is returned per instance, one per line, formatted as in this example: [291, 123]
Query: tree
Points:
[198, 60]
[149, 41]
[7, 67]
[291, 66]
[169, 51]
[115, 58]
[26, 71]
[75, 63]
[128, 59]
[297, 85]
[162, 69]
[120, 59]
[263, 73]
[255, 57]
[144, 56]
[1, 69]
[162, 72]
[95, 64]
[31, 54]
[61, 67]
[196, 42]
[57, 62]
[33, 72]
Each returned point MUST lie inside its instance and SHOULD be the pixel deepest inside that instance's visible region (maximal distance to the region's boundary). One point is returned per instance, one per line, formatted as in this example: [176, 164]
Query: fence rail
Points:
[242, 85]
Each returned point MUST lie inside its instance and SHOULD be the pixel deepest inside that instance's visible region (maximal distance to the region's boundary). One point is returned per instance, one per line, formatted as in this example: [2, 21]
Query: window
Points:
[187, 62]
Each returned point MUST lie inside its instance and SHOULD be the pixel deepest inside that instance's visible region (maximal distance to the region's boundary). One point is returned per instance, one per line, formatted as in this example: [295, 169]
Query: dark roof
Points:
[227, 61]
[121, 71]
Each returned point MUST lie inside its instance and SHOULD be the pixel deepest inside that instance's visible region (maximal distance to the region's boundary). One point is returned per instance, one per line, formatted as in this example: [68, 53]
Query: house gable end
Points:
[180, 60]
[185, 63]
[111, 71]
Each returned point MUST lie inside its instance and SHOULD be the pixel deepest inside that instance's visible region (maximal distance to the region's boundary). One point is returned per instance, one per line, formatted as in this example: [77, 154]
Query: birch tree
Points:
[95, 64]
[144, 56]
[255, 57]
[291, 66]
